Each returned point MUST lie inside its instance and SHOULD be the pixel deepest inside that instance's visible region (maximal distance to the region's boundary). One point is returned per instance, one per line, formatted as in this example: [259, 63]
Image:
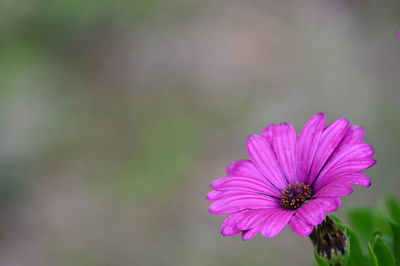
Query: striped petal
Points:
[244, 184]
[349, 159]
[311, 212]
[229, 225]
[244, 168]
[284, 145]
[300, 227]
[265, 161]
[308, 143]
[330, 139]
[334, 189]
[246, 235]
[254, 218]
[275, 222]
[354, 135]
[240, 202]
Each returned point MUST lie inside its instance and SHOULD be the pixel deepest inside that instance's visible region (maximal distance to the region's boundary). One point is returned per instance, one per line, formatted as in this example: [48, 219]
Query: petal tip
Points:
[212, 210]
[319, 115]
[209, 195]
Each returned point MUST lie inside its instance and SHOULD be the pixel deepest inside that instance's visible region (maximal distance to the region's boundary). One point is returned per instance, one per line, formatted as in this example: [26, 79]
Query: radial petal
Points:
[360, 179]
[241, 202]
[243, 183]
[330, 139]
[329, 204]
[229, 225]
[300, 227]
[268, 132]
[254, 218]
[311, 212]
[345, 168]
[275, 222]
[214, 195]
[334, 189]
[244, 168]
[308, 143]
[246, 235]
[264, 159]
[354, 135]
[348, 159]
[284, 145]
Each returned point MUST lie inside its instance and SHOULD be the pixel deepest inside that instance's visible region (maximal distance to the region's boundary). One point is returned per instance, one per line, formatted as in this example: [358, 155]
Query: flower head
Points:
[291, 179]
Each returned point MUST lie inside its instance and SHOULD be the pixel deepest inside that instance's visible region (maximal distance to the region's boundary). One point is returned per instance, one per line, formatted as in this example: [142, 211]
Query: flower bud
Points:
[330, 242]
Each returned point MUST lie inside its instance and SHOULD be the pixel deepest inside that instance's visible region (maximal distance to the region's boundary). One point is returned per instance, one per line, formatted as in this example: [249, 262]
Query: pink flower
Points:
[291, 179]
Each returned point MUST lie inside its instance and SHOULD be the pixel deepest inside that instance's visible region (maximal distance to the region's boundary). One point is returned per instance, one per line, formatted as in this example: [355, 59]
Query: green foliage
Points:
[356, 256]
[396, 240]
[363, 220]
[372, 256]
[373, 230]
[383, 252]
[393, 209]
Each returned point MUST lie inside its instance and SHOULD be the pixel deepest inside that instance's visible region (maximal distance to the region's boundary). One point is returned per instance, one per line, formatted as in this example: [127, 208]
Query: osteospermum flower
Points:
[291, 179]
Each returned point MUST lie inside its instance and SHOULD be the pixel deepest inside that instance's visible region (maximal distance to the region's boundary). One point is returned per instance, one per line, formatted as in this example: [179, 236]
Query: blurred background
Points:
[116, 115]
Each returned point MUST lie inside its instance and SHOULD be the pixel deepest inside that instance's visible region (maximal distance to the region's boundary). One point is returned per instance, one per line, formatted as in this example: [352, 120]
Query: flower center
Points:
[293, 196]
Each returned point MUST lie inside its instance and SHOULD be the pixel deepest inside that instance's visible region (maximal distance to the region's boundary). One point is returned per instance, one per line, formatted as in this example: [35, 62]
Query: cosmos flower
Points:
[291, 179]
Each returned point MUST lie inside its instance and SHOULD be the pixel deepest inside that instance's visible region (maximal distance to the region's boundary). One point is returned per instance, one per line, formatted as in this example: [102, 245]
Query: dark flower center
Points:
[294, 195]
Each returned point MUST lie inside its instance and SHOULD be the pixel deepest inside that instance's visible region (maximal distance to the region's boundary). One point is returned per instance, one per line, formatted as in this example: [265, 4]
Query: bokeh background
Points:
[116, 115]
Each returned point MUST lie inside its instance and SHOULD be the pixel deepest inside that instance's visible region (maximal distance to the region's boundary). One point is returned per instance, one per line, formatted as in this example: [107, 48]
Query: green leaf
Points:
[362, 220]
[372, 256]
[383, 252]
[393, 208]
[335, 219]
[356, 256]
[381, 222]
[396, 240]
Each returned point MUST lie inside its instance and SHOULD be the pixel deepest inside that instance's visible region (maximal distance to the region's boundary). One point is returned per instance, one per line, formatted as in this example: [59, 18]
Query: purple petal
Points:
[350, 152]
[329, 204]
[300, 227]
[246, 235]
[354, 135]
[244, 184]
[308, 143]
[241, 202]
[254, 218]
[334, 189]
[268, 132]
[275, 222]
[356, 179]
[244, 168]
[311, 212]
[349, 158]
[264, 159]
[214, 195]
[284, 146]
[330, 139]
[229, 225]
[351, 178]
[346, 168]
[350, 167]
